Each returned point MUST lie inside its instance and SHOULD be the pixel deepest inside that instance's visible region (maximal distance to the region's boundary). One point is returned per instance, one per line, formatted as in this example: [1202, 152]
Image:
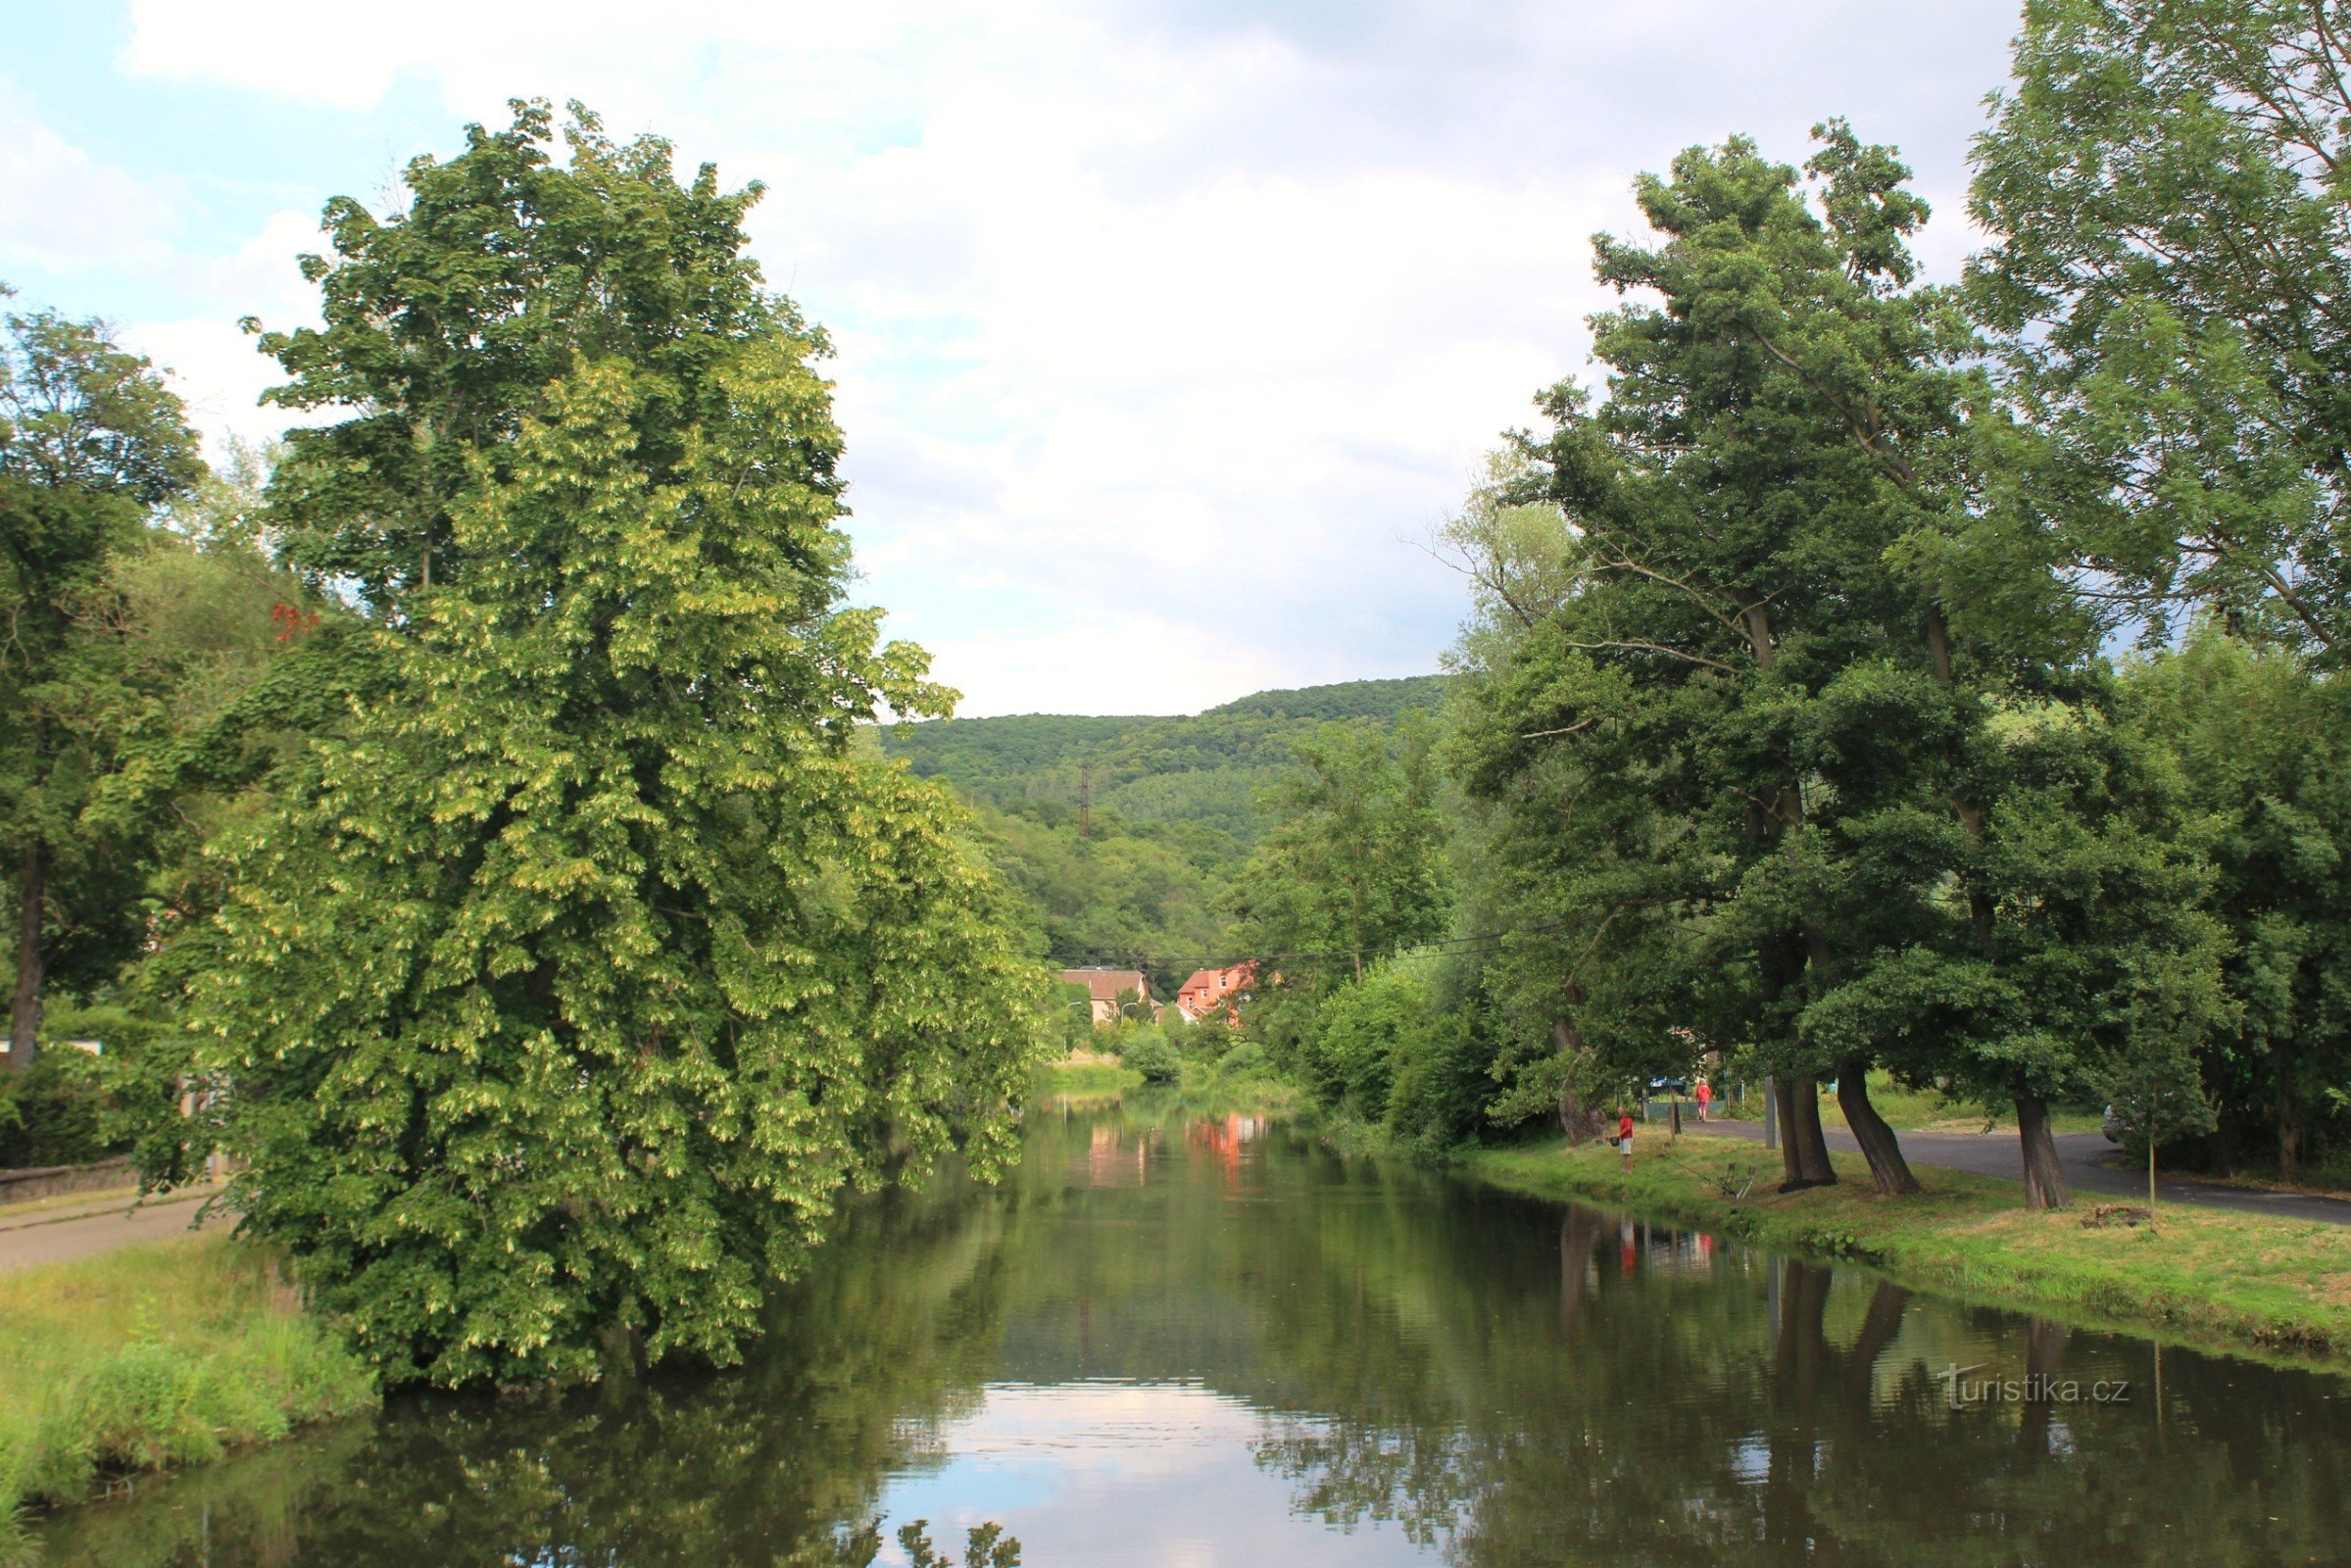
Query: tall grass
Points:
[161, 1355]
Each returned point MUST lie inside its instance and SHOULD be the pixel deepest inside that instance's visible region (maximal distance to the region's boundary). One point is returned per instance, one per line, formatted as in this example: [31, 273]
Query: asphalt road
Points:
[59, 1236]
[1998, 1155]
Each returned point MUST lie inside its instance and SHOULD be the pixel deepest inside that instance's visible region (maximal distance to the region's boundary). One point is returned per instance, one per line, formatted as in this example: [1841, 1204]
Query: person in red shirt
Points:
[1705, 1098]
[1624, 1134]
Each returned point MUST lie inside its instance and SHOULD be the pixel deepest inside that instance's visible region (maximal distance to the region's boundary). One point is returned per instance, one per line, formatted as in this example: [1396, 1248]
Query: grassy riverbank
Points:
[1085, 1076]
[2243, 1281]
[161, 1355]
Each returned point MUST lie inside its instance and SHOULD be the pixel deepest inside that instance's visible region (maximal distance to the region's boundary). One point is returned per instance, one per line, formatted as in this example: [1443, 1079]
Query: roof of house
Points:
[1204, 980]
[1105, 984]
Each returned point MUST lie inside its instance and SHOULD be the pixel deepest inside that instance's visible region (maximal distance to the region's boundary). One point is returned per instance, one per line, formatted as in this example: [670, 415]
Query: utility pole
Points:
[1085, 799]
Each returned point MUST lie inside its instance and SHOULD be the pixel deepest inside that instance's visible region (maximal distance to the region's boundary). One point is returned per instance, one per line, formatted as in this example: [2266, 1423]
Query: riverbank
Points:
[158, 1356]
[2238, 1280]
[1100, 1076]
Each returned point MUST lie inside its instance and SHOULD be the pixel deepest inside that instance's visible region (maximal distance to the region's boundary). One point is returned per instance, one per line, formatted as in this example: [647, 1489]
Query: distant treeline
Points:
[1206, 769]
[1177, 806]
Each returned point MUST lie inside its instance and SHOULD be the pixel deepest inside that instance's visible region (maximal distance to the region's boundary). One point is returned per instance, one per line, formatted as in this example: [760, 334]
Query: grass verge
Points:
[2243, 1282]
[1085, 1078]
[160, 1354]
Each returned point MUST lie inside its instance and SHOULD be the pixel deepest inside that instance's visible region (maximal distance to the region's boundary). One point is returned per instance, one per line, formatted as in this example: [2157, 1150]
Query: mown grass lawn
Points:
[2245, 1280]
[164, 1354]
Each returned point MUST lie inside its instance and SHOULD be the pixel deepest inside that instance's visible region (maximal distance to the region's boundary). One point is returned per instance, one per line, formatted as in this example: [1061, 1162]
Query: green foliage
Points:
[505, 273]
[1384, 700]
[1354, 865]
[2263, 752]
[56, 1112]
[2168, 235]
[1144, 894]
[1202, 772]
[91, 441]
[584, 960]
[1147, 1051]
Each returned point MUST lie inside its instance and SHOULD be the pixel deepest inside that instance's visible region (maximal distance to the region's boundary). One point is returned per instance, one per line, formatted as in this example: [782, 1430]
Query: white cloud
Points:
[1163, 325]
[61, 208]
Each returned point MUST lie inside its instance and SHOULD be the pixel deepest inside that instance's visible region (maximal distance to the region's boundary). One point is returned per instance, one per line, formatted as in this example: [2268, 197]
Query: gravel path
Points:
[60, 1235]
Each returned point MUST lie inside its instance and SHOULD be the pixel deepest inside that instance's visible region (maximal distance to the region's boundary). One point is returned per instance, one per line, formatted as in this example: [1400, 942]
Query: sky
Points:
[1166, 330]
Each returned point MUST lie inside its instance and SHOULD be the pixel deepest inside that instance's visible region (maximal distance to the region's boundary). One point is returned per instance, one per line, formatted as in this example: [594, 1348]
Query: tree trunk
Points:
[1803, 1151]
[1577, 1120]
[1879, 1145]
[2044, 1178]
[25, 1013]
[1811, 1147]
[1784, 1105]
[2289, 1140]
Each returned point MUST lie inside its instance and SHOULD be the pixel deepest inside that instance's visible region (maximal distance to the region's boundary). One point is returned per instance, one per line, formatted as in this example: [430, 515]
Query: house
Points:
[1212, 991]
[1105, 987]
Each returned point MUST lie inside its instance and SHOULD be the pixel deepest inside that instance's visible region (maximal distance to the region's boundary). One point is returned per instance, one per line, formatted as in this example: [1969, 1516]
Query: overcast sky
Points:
[1166, 327]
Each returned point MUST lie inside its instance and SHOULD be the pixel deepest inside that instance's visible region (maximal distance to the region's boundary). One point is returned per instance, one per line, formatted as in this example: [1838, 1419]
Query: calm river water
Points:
[1192, 1339]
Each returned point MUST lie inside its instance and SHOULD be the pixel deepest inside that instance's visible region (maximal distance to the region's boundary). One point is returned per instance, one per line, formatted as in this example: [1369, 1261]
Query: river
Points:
[1186, 1338]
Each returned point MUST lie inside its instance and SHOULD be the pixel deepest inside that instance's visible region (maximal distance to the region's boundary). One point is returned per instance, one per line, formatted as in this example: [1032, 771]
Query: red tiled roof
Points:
[1105, 984]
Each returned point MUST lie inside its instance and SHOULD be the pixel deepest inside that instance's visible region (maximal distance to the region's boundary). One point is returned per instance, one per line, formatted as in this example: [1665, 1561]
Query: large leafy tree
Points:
[594, 950]
[1739, 630]
[1352, 868]
[2260, 749]
[445, 322]
[2170, 258]
[91, 442]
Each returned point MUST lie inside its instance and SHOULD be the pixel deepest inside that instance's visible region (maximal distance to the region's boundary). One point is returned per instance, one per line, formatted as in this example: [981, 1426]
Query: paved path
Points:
[61, 1235]
[1998, 1155]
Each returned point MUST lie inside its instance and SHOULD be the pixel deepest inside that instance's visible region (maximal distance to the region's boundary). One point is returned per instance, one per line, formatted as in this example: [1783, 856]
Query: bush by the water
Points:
[1152, 1056]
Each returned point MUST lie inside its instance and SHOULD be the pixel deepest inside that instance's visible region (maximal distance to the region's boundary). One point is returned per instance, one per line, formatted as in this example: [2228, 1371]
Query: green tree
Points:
[445, 322]
[588, 957]
[2260, 748]
[1738, 629]
[91, 442]
[2170, 250]
[1353, 867]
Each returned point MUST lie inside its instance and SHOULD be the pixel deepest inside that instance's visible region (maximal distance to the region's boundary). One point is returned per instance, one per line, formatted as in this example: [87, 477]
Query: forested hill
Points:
[1175, 810]
[1200, 768]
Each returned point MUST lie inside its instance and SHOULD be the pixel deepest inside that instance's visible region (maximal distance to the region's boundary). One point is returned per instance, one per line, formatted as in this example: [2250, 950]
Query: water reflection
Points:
[1190, 1338]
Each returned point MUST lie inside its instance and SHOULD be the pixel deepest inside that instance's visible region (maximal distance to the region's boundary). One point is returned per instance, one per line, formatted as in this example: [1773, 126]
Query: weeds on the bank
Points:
[157, 1356]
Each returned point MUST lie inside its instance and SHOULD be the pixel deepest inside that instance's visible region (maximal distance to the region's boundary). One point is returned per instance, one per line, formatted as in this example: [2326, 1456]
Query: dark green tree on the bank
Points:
[591, 952]
[91, 443]
[1739, 641]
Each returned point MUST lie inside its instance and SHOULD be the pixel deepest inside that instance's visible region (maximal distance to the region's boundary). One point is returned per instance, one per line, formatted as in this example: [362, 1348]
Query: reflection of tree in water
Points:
[1483, 1371]
[774, 1463]
[1800, 1419]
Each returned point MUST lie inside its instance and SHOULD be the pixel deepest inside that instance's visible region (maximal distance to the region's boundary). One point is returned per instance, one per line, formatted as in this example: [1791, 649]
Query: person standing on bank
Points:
[1624, 1134]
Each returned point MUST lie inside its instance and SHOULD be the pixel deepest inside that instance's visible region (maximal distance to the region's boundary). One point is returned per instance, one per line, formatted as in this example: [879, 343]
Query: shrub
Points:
[55, 1113]
[1152, 1056]
[1243, 1061]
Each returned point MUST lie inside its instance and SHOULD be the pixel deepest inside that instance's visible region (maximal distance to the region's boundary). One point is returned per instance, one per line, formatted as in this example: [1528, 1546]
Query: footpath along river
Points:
[1195, 1340]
